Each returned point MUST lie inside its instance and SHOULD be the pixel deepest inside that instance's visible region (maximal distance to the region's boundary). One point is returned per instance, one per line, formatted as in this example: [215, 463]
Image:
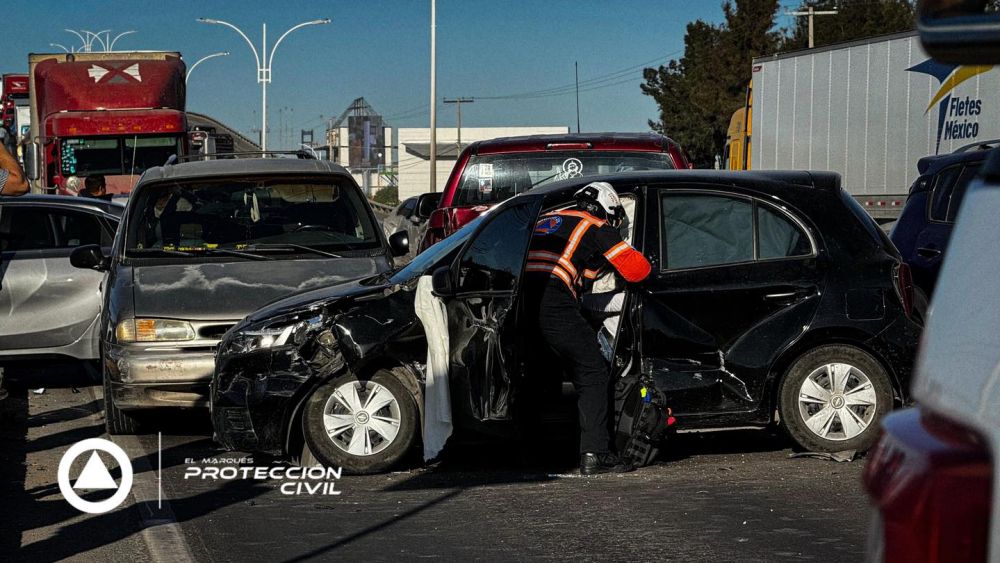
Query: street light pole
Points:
[201, 60]
[111, 44]
[433, 96]
[263, 60]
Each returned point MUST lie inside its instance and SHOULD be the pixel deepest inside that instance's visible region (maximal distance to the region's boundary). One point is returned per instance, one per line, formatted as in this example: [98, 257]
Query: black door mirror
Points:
[427, 203]
[32, 158]
[441, 282]
[399, 243]
[960, 31]
[89, 257]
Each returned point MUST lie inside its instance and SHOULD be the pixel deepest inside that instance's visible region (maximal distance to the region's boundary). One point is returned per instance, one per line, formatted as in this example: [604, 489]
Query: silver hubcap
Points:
[361, 418]
[837, 401]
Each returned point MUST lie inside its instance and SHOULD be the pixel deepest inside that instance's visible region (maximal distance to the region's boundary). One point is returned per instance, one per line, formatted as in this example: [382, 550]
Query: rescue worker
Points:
[567, 252]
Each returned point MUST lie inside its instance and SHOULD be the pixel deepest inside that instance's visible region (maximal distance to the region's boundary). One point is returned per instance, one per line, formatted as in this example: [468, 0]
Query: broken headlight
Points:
[280, 333]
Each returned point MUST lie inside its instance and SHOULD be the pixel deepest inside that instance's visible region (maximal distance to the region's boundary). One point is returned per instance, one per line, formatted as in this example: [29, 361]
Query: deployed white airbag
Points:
[437, 393]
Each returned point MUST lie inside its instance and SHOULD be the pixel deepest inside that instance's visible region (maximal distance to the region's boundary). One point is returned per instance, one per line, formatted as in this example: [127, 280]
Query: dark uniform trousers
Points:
[563, 328]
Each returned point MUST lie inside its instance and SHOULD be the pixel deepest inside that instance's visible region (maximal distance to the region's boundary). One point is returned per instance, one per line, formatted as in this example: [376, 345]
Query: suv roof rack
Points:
[980, 146]
[301, 154]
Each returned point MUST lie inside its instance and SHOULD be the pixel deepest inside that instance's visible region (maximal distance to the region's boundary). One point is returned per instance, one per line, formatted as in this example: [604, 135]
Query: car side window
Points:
[408, 207]
[958, 193]
[493, 259]
[944, 184]
[75, 228]
[25, 228]
[778, 236]
[705, 230]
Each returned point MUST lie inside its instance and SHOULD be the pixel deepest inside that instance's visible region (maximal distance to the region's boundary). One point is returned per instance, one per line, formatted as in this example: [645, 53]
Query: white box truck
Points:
[868, 109]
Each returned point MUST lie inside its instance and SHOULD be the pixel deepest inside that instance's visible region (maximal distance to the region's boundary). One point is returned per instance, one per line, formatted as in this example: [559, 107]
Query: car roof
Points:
[242, 166]
[703, 179]
[77, 202]
[931, 164]
[598, 141]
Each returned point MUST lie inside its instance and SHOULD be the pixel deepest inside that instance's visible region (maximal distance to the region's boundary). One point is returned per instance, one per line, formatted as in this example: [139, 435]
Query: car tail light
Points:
[931, 482]
[904, 287]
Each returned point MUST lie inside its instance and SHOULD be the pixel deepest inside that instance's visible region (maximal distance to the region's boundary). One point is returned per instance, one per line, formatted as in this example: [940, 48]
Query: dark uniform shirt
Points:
[572, 247]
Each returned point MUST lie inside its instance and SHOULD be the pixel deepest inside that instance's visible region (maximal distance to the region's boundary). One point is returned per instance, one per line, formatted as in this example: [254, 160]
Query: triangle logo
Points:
[95, 475]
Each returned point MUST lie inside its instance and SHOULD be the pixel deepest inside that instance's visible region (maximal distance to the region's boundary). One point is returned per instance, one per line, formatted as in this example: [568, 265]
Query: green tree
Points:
[698, 93]
[855, 19]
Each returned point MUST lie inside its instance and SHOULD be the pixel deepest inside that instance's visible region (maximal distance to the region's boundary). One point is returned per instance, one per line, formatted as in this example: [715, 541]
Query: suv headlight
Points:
[154, 330]
[275, 334]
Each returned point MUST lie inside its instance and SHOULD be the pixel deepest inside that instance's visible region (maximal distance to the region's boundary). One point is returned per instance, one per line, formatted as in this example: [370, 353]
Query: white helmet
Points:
[601, 200]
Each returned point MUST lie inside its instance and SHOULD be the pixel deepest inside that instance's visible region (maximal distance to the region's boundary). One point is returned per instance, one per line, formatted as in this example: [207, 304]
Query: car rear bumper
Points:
[155, 377]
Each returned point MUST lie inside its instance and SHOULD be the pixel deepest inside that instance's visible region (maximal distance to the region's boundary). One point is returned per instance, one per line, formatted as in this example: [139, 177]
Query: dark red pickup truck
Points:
[489, 172]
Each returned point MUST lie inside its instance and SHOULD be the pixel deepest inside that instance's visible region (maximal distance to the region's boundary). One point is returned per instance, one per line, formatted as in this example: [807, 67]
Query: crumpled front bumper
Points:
[254, 397]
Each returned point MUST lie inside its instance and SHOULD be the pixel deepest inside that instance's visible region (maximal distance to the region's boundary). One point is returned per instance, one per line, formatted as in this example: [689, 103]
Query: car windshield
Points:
[492, 178]
[268, 215]
[433, 255]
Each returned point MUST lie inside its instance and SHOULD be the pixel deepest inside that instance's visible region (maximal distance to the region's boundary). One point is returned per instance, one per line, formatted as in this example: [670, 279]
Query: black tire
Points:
[117, 421]
[330, 454]
[792, 418]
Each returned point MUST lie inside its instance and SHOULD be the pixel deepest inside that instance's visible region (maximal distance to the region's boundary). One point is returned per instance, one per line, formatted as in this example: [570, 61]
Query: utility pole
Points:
[433, 96]
[458, 106]
[810, 13]
[576, 72]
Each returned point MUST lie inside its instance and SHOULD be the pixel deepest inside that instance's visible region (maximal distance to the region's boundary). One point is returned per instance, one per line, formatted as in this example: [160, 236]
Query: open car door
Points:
[484, 344]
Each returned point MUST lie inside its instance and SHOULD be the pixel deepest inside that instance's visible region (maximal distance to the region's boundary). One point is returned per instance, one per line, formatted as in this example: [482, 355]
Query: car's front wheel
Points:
[833, 398]
[361, 425]
[116, 421]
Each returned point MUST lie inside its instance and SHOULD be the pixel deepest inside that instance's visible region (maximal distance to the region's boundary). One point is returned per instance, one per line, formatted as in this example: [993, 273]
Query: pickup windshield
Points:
[314, 217]
[492, 178]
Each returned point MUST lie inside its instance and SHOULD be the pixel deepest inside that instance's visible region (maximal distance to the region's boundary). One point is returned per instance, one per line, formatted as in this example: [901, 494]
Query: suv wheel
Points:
[833, 398]
[361, 425]
[116, 421]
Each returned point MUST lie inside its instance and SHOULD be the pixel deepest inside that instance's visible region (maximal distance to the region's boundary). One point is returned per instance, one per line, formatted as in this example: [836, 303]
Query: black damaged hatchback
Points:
[773, 297]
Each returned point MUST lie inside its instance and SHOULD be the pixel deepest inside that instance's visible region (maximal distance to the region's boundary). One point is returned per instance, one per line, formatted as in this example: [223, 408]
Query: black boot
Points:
[593, 464]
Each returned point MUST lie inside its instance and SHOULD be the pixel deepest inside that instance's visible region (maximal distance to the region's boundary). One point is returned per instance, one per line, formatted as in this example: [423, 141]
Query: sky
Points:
[380, 50]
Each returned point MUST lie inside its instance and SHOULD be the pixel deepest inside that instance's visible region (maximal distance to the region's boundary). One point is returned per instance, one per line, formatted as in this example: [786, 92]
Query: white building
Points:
[413, 150]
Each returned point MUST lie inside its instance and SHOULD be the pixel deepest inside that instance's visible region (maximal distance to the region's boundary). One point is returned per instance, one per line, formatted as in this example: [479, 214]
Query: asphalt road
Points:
[714, 497]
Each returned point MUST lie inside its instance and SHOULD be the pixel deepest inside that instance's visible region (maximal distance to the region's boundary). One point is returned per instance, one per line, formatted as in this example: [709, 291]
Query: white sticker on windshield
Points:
[485, 170]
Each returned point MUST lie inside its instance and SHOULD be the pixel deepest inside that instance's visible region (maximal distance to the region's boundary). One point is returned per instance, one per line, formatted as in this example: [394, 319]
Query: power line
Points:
[571, 87]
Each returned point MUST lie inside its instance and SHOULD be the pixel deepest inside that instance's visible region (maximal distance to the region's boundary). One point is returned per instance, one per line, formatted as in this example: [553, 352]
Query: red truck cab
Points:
[489, 172]
[108, 114]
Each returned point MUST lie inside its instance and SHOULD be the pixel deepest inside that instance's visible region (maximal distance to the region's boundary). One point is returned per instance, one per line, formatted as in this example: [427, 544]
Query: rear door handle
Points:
[928, 252]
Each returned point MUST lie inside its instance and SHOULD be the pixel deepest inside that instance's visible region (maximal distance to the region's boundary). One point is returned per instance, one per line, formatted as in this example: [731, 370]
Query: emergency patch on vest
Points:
[548, 225]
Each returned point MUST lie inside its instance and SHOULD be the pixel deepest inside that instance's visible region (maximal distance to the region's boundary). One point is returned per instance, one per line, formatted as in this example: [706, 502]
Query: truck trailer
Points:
[868, 109]
[110, 114]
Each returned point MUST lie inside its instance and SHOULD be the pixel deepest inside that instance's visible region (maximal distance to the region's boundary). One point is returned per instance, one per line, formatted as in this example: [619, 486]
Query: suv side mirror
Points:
[32, 154]
[441, 282]
[399, 243]
[959, 31]
[89, 257]
[427, 203]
